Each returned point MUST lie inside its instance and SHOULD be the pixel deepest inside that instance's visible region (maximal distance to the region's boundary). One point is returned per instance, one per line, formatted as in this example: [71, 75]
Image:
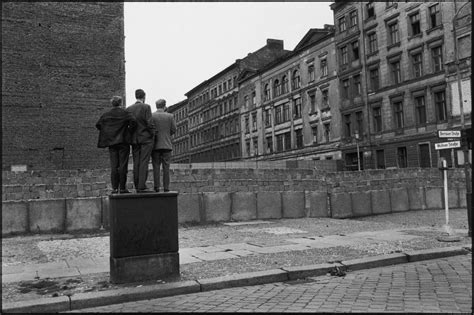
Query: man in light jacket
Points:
[165, 127]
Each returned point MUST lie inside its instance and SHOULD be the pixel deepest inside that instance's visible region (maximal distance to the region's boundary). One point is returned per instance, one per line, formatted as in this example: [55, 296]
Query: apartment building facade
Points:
[289, 109]
[214, 111]
[395, 91]
[181, 137]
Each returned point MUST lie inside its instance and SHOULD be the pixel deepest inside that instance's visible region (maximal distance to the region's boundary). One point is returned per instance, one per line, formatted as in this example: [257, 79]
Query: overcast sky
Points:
[172, 47]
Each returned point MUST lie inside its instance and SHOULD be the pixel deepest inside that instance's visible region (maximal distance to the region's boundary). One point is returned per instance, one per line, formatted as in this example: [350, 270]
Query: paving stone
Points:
[214, 256]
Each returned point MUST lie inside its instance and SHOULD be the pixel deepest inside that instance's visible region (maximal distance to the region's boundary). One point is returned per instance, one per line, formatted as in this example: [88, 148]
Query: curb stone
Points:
[102, 298]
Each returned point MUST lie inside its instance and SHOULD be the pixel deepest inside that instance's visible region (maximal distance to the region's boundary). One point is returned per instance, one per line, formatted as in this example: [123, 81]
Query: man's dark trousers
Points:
[161, 156]
[119, 154]
[141, 157]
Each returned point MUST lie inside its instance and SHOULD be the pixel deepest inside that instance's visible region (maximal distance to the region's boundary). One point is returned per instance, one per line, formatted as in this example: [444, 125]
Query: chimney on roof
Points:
[275, 43]
[329, 27]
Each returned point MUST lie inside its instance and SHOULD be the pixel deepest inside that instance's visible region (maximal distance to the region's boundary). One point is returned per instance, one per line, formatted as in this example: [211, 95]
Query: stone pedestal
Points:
[143, 237]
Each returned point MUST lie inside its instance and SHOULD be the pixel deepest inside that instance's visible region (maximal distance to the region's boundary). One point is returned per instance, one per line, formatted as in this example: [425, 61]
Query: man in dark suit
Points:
[165, 128]
[114, 132]
[142, 140]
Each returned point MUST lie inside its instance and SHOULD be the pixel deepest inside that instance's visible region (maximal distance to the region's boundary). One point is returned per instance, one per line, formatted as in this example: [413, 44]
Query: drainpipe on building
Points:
[366, 85]
[463, 127]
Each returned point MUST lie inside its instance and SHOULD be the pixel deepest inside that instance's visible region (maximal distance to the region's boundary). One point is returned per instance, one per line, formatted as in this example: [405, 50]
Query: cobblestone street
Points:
[440, 285]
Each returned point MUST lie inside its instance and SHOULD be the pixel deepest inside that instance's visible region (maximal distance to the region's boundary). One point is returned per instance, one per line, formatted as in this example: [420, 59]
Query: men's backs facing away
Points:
[145, 129]
[165, 127]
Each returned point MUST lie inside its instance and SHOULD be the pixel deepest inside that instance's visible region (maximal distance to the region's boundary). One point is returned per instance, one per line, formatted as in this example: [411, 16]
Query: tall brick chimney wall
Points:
[61, 64]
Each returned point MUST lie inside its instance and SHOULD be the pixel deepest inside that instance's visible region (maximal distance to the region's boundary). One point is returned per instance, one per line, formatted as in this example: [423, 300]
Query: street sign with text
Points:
[447, 145]
[449, 133]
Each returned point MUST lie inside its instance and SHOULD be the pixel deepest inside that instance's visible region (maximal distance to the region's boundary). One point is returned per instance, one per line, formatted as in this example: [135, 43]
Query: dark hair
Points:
[116, 101]
[139, 94]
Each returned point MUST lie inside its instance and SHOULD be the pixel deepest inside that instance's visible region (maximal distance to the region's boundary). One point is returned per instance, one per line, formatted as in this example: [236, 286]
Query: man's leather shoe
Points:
[115, 191]
[157, 189]
[124, 191]
[166, 190]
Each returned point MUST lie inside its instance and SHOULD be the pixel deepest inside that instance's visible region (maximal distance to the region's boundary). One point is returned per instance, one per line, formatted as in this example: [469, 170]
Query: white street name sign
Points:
[447, 145]
[449, 133]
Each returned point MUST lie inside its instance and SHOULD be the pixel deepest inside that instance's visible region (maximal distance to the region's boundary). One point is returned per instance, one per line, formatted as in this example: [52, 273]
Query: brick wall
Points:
[198, 178]
[61, 63]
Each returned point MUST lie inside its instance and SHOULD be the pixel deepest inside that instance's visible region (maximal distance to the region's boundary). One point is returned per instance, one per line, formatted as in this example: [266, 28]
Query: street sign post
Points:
[447, 145]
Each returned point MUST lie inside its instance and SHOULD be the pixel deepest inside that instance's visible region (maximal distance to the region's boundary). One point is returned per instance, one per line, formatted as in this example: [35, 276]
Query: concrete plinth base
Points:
[144, 268]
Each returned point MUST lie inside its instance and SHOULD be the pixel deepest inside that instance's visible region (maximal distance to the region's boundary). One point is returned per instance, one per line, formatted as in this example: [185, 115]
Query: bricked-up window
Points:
[269, 144]
[435, 15]
[345, 89]
[276, 88]
[287, 140]
[255, 146]
[247, 129]
[286, 112]
[342, 24]
[417, 65]
[247, 147]
[324, 67]
[297, 108]
[402, 157]
[285, 84]
[266, 93]
[347, 125]
[437, 58]
[380, 157]
[370, 9]
[415, 27]
[325, 96]
[360, 124]
[395, 72]
[424, 155]
[374, 78]
[299, 138]
[344, 59]
[268, 117]
[279, 140]
[312, 102]
[254, 121]
[440, 106]
[314, 131]
[377, 118]
[355, 50]
[311, 73]
[353, 18]
[357, 87]
[296, 80]
[372, 39]
[398, 114]
[420, 109]
[327, 131]
[278, 115]
[394, 33]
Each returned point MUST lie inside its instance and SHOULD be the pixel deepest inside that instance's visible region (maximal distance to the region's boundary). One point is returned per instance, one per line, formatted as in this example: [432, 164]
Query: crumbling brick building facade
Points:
[61, 64]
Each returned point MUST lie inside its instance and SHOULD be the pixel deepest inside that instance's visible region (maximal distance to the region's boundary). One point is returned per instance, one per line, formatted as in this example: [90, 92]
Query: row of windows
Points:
[216, 132]
[221, 88]
[181, 114]
[416, 67]
[283, 141]
[181, 130]
[420, 110]
[225, 106]
[180, 147]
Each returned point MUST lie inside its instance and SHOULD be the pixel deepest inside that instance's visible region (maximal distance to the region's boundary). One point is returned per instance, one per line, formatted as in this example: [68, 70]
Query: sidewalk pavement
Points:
[242, 240]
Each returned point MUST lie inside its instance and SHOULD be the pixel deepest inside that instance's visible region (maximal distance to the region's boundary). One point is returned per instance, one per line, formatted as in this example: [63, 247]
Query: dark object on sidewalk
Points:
[143, 237]
[337, 271]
